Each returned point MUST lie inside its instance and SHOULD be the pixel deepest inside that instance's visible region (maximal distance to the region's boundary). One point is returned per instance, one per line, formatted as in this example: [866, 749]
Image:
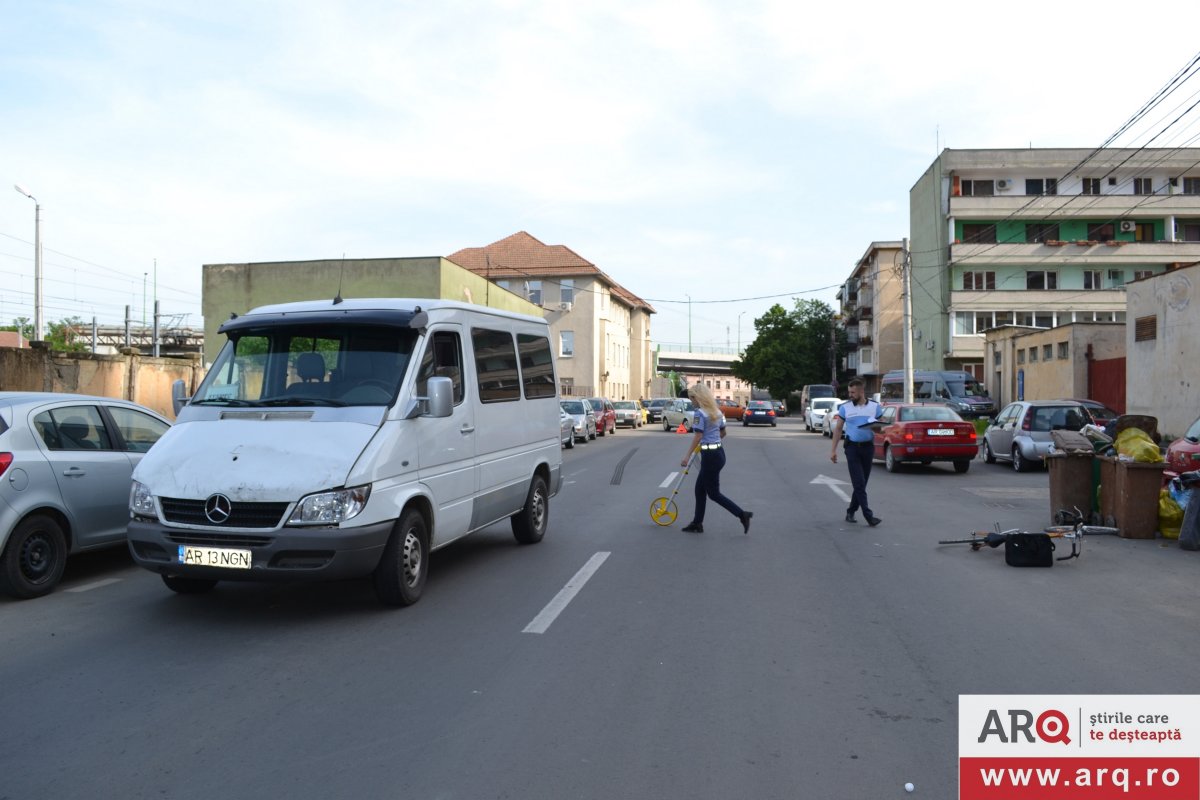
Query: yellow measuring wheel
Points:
[663, 509]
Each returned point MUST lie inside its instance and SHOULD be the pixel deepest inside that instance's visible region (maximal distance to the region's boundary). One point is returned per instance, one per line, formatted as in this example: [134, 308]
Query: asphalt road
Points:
[809, 659]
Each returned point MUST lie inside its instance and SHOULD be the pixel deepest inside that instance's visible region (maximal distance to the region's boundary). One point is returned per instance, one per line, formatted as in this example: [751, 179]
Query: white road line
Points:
[834, 484]
[87, 587]
[555, 607]
[668, 481]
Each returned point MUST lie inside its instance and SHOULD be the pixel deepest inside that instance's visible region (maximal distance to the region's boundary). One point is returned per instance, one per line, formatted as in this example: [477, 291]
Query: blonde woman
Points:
[708, 429]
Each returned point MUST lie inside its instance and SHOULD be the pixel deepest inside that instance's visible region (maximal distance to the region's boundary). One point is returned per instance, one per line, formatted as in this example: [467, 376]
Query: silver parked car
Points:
[628, 413]
[66, 461]
[1022, 431]
[584, 419]
[678, 412]
[566, 429]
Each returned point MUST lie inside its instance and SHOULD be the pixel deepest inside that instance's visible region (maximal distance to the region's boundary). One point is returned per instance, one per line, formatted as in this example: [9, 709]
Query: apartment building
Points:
[872, 311]
[601, 329]
[1040, 238]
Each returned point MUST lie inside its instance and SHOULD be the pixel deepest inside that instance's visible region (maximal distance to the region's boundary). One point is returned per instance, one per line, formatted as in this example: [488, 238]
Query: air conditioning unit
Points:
[564, 306]
[1003, 183]
[1128, 226]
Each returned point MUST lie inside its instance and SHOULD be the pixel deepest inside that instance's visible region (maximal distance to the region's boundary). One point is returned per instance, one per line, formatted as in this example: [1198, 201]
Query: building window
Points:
[1064, 349]
[1191, 185]
[1101, 232]
[566, 289]
[1143, 186]
[1047, 352]
[979, 281]
[1190, 232]
[1143, 232]
[1036, 279]
[1116, 278]
[865, 355]
[978, 188]
[1020, 356]
[566, 344]
[1145, 329]
[1005, 318]
[1041, 231]
[1041, 186]
[1091, 186]
[1138, 274]
[996, 357]
[1091, 279]
[533, 292]
[979, 233]
[505, 285]
[1033, 355]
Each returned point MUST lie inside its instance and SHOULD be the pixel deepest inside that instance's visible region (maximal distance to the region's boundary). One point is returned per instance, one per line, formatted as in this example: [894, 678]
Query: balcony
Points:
[864, 312]
[1060, 206]
[1097, 253]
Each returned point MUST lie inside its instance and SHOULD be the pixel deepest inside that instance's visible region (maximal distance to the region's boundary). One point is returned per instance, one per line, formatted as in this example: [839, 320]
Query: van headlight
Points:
[330, 508]
[141, 502]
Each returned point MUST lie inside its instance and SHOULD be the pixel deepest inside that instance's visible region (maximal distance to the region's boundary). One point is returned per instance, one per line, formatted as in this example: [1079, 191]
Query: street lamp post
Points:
[739, 350]
[37, 262]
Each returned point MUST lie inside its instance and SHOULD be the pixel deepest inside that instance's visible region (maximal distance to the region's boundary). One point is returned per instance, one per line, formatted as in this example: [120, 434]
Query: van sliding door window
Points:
[537, 367]
[496, 365]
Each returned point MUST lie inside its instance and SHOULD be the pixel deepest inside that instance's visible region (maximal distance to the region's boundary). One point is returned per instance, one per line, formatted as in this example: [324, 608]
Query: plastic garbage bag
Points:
[1170, 515]
[1138, 446]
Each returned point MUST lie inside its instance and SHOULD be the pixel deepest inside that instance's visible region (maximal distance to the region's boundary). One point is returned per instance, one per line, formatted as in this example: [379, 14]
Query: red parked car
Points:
[924, 433]
[731, 410]
[1183, 454]
[606, 415]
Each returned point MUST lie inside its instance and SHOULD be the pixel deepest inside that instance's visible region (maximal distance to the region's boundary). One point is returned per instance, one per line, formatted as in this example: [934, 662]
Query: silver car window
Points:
[73, 428]
[138, 431]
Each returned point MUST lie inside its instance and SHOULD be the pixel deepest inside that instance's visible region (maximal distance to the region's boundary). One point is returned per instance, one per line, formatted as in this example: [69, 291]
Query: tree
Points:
[67, 334]
[791, 349]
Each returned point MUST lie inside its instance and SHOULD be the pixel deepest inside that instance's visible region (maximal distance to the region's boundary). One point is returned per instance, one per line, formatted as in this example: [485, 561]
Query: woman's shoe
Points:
[746, 515]
[694, 527]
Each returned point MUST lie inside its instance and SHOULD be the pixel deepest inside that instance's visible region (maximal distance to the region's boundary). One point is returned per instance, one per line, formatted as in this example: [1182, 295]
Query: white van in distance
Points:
[352, 438]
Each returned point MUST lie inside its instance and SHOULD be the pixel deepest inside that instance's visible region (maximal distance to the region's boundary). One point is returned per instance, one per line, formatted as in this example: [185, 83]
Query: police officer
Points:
[853, 416]
[708, 429]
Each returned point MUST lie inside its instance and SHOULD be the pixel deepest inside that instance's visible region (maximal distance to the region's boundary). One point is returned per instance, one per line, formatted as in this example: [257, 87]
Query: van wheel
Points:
[962, 466]
[400, 576]
[529, 524]
[181, 585]
[34, 558]
[988, 455]
[889, 461]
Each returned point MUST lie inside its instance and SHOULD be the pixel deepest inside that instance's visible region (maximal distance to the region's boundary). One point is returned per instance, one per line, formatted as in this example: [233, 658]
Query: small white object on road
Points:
[908, 787]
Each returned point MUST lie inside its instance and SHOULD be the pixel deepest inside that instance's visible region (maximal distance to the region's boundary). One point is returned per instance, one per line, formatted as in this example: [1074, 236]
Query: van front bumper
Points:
[286, 554]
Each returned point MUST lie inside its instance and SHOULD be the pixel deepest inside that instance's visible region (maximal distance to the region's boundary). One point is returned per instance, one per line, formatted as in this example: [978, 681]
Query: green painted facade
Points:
[237, 288]
[1014, 232]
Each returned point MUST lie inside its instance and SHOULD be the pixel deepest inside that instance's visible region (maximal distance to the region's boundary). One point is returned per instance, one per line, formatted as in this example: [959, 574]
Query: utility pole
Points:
[833, 350]
[906, 275]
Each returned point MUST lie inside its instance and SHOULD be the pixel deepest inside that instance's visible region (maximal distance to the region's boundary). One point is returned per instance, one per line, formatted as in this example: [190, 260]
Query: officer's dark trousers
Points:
[858, 459]
[708, 484]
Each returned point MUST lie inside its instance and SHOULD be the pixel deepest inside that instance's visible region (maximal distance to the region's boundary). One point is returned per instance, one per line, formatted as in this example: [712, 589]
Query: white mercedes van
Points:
[351, 438]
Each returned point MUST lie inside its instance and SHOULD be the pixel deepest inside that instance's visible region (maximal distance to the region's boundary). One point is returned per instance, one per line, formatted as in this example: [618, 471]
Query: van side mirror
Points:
[440, 400]
[179, 396]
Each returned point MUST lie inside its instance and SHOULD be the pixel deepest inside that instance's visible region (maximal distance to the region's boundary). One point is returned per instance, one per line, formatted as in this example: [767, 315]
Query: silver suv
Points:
[1021, 432]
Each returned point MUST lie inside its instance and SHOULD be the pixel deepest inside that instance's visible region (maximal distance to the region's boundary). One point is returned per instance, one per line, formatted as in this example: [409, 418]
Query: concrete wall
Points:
[1161, 377]
[142, 379]
[1047, 379]
[237, 288]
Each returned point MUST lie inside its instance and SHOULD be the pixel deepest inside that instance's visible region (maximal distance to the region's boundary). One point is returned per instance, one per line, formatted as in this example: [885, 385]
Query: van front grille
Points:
[241, 515]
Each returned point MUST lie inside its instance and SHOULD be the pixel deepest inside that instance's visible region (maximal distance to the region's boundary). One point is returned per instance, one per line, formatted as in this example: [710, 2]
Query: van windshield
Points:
[329, 365]
[966, 388]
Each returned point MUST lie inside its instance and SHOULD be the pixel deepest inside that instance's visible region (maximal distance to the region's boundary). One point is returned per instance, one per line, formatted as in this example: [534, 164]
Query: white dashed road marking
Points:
[87, 587]
[555, 607]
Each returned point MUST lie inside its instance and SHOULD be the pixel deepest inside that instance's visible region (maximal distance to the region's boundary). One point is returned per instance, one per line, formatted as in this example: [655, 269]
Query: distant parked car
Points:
[814, 416]
[66, 464]
[731, 409]
[566, 428]
[584, 421]
[678, 412]
[655, 407]
[1183, 454]
[1101, 414]
[628, 412]
[924, 433]
[830, 418]
[606, 415]
[779, 407]
[759, 412]
[1021, 432]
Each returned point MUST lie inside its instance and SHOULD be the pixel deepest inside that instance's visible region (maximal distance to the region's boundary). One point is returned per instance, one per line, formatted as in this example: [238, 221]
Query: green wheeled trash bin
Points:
[1070, 484]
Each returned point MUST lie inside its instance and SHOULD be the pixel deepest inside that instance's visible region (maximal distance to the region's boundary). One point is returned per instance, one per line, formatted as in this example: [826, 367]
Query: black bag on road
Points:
[1028, 550]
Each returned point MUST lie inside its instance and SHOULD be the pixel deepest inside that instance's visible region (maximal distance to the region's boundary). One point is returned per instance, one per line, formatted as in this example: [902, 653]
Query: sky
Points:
[713, 158]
